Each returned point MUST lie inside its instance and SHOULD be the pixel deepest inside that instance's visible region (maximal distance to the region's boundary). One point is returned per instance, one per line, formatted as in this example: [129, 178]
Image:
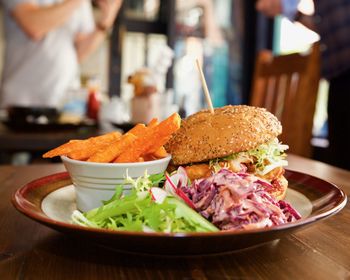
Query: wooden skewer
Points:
[205, 87]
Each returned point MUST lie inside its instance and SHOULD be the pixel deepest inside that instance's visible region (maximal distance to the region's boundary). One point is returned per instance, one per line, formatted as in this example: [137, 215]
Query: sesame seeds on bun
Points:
[231, 129]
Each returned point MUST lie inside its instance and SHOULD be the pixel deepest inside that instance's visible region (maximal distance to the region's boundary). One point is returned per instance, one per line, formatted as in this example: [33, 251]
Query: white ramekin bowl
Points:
[96, 182]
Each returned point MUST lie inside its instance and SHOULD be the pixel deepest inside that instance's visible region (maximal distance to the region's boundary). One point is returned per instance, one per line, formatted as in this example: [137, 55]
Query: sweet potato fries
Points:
[141, 143]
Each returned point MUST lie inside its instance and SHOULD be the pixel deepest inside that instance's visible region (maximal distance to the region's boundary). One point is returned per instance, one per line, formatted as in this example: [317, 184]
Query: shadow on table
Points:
[68, 250]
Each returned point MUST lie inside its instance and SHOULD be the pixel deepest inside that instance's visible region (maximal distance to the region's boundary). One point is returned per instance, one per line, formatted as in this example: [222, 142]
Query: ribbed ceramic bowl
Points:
[95, 182]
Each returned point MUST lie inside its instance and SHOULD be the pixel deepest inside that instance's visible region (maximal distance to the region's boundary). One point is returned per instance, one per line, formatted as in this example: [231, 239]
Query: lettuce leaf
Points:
[265, 158]
[138, 211]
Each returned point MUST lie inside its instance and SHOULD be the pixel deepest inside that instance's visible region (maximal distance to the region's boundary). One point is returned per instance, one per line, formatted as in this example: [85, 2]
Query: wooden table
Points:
[29, 250]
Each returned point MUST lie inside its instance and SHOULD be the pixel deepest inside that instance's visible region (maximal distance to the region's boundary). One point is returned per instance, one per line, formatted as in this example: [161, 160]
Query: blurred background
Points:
[145, 67]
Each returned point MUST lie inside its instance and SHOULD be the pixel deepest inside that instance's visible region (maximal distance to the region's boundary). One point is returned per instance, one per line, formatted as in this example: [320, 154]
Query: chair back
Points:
[287, 86]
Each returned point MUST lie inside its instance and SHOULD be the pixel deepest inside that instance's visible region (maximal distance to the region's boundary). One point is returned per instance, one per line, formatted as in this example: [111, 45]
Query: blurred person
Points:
[331, 22]
[44, 42]
[212, 50]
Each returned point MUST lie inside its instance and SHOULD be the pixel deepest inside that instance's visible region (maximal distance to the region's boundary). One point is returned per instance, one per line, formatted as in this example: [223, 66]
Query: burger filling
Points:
[266, 161]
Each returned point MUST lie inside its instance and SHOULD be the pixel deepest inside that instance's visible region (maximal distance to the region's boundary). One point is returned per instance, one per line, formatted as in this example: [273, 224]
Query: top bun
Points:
[231, 129]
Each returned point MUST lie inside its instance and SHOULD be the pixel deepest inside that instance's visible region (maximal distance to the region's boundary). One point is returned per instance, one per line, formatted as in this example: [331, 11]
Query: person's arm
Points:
[36, 21]
[288, 8]
[270, 8]
[87, 43]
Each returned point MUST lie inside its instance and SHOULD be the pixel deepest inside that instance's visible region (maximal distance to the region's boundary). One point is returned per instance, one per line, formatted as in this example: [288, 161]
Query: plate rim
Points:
[19, 201]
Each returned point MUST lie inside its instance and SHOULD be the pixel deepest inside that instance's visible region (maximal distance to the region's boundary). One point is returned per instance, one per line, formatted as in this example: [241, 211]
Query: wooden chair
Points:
[287, 86]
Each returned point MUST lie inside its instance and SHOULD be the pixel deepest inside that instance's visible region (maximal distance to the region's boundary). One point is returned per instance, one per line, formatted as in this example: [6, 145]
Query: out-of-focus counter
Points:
[39, 140]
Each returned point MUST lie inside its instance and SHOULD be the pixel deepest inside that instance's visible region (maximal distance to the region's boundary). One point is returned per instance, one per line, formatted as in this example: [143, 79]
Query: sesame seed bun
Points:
[231, 129]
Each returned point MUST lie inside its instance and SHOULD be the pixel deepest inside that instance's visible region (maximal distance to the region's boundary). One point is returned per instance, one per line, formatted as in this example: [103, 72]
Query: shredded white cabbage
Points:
[265, 158]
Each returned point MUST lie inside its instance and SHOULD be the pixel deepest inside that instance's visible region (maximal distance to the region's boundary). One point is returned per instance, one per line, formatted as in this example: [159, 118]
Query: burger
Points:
[242, 139]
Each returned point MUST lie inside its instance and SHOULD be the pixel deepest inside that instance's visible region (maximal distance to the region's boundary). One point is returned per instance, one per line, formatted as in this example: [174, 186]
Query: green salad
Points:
[147, 208]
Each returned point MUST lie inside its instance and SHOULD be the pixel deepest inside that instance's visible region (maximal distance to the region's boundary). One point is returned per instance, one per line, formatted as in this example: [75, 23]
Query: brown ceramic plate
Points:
[50, 200]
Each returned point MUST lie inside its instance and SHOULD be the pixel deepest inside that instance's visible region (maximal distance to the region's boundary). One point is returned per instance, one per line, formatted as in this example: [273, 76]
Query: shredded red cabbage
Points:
[234, 201]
